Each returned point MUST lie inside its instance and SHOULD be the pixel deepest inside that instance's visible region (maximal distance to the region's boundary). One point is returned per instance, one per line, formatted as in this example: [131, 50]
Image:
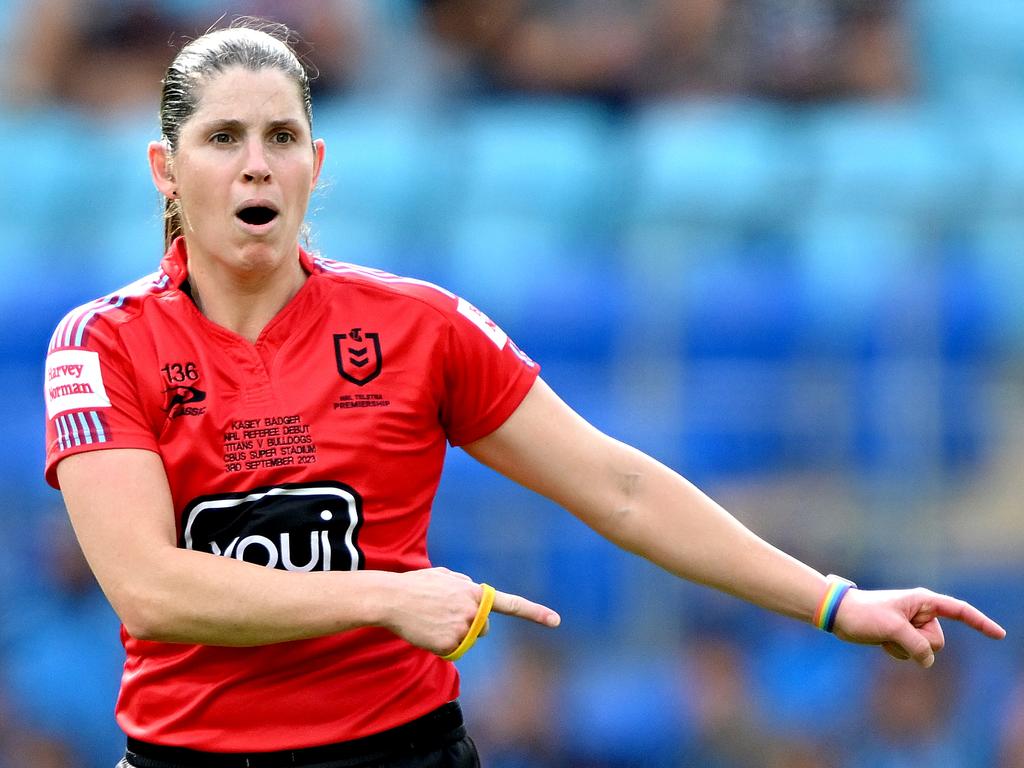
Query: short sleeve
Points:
[91, 399]
[486, 375]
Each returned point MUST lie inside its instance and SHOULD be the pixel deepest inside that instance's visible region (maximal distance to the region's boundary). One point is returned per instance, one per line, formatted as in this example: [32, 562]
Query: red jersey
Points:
[319, 447]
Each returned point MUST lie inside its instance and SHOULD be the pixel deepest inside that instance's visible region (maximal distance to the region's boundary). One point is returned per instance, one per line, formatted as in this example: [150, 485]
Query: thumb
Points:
[914, 644]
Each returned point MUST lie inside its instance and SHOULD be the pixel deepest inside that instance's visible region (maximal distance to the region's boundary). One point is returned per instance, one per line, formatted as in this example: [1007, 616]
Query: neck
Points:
[243, 302]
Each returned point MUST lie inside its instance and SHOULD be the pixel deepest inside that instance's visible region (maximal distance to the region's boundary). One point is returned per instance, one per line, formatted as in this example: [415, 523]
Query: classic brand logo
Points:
[358, 355]
[178, 400]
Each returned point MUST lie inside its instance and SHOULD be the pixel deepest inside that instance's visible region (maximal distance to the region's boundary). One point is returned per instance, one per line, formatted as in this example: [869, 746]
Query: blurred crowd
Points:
[716, 686]
[105, 55]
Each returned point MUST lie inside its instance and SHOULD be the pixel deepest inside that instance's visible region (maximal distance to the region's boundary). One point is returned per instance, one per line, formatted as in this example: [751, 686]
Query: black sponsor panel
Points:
[294, 527]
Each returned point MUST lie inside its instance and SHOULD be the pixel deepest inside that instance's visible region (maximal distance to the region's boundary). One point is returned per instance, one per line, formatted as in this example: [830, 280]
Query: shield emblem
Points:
[358, 355]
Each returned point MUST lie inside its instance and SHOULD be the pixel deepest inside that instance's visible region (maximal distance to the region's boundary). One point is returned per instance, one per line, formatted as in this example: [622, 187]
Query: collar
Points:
[175, 262]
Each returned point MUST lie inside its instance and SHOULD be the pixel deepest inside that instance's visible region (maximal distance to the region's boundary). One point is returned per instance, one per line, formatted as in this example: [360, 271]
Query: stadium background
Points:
[777, 244]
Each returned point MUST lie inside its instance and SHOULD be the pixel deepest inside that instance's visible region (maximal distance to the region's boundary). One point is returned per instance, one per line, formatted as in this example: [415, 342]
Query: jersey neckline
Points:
[175, 266]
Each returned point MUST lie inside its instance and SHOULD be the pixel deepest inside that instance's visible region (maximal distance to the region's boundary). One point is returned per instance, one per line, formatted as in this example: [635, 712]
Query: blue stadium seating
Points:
[1000, 242]
[906, 161]
[846, 259]
[130, 242]
[383, 174]
[46, 170]
[552, 161]
[970, 52]
[726, 163]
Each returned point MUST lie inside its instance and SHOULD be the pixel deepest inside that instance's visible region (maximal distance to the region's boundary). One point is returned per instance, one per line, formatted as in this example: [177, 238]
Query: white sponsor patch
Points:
[484, 323]
[74, 382]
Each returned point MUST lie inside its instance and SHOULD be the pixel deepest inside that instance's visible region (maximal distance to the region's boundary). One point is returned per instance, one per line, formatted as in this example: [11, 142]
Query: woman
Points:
[249, 441]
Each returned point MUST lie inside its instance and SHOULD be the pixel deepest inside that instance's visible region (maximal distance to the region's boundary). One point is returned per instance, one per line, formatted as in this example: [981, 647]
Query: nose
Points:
[256, 168]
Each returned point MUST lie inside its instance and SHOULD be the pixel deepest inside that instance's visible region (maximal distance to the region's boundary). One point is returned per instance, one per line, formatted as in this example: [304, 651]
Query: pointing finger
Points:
[960, 610]
[520, 607]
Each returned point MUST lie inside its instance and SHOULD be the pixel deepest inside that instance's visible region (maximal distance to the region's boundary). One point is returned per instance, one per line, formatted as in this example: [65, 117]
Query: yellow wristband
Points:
[482, 611]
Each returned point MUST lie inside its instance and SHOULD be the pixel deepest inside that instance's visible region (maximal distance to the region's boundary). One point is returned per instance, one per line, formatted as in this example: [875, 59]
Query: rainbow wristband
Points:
[482, 611]
[825, 616]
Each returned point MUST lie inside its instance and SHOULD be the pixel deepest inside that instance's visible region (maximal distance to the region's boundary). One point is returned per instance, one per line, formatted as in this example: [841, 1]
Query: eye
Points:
[283, 137]
[221, 138]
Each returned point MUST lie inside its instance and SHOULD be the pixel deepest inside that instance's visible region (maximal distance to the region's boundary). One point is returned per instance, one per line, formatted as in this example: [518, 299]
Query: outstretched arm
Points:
[121, 509]
[646, 508]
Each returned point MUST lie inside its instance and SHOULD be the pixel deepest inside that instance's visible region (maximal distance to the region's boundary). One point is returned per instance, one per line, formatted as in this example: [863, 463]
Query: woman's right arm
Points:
[120, 506]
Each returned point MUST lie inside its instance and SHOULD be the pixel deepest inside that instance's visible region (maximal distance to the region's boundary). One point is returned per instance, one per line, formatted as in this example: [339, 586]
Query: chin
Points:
[263, 254]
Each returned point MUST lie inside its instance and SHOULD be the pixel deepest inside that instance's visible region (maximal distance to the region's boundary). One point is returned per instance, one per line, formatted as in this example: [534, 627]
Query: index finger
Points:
[960, 610]
[520, 607]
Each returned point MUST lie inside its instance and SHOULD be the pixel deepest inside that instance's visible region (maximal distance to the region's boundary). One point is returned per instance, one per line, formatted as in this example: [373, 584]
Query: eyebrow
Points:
[238, 126]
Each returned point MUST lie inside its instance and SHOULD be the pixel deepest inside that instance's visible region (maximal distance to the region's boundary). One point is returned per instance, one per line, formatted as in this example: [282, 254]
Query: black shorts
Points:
[436, 740]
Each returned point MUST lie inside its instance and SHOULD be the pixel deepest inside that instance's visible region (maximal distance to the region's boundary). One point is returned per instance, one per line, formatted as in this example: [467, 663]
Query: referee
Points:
[249, 441]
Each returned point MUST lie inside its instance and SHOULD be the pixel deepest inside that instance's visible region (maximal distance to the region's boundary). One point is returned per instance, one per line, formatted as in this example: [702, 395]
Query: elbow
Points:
[617, 516]
[144, 616]
[141, 624]
[141, 630]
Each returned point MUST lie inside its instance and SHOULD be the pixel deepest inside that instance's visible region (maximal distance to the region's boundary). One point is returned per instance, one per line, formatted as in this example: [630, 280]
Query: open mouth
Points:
[257, 214]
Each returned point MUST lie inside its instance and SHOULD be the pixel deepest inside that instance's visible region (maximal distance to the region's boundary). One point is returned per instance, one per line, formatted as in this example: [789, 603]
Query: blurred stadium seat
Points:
[551, 161]
[46, 170]
[532, 198]
[724, 163]
[130, 241]
[383, 175]
[970, 52]
[904, 161]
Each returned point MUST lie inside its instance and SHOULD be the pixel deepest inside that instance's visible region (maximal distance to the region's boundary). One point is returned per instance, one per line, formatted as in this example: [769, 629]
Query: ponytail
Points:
[172, 222]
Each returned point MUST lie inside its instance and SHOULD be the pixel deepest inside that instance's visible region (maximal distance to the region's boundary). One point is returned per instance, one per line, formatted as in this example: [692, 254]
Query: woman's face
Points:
[244, 169]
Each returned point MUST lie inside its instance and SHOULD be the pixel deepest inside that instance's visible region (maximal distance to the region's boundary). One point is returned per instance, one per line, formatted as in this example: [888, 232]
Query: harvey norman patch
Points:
[74, 382]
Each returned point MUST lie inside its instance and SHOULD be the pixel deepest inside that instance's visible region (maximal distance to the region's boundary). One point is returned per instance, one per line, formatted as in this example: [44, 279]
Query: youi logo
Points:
[296, 527]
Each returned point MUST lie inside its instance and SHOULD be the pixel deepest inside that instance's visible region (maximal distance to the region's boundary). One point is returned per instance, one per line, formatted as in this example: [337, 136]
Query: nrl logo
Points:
[358, 355]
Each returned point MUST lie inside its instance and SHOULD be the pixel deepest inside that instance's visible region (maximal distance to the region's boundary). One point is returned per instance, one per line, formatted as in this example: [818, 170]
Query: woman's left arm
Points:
[646, 508]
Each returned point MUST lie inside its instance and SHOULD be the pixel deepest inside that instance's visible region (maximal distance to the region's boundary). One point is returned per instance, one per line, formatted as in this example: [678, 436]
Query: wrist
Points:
[836, 590]
[379, 599]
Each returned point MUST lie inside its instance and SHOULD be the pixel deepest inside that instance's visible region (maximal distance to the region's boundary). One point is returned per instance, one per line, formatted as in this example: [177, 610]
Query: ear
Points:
[160, 168]
[318, 160]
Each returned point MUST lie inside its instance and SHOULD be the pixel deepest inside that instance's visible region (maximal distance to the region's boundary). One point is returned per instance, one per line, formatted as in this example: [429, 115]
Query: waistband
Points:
[432, 731]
